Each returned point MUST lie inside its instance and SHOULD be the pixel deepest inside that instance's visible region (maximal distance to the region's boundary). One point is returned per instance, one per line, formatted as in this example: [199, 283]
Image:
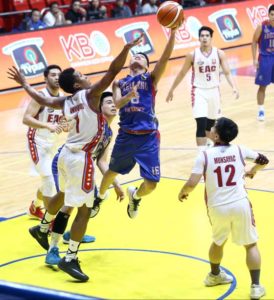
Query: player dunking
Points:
[205, 62]
[41, 136]
[138, 138]
[229, 209]
[75, 164]
[264, 38]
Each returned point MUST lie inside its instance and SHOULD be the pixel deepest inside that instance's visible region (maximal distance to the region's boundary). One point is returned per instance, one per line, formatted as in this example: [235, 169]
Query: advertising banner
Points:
[91, 47]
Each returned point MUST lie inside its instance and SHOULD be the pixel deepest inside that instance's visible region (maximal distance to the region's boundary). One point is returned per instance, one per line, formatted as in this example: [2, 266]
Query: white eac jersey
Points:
[206, 69]
[46, 115]
[88, 125]
[224, 169]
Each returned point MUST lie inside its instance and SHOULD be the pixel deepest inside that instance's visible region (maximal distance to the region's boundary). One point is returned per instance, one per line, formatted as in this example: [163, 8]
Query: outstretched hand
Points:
[16, 75]
[135, 41]
[182, 195]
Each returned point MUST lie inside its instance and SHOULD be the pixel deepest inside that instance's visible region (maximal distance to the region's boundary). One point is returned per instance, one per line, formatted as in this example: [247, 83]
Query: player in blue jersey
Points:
[264, 38]
[138, 140]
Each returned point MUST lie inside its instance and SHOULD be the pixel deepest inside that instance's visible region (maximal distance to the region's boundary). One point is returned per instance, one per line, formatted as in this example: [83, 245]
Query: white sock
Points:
[72, 250]
[37, 202]
[45, 223]
[135, 197]
[202, 148]
[261, 107]
[55, 238]
[101, 196]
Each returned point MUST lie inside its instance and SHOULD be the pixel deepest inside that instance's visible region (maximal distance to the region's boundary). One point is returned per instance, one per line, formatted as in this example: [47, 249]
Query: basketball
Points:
[170, 14]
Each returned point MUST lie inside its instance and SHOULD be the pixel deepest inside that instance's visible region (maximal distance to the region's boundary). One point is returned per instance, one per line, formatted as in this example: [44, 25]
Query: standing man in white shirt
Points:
[229, 209]
[206, 62]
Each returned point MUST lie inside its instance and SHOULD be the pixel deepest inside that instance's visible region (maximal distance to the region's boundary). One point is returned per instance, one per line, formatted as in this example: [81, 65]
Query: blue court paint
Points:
[226, 294]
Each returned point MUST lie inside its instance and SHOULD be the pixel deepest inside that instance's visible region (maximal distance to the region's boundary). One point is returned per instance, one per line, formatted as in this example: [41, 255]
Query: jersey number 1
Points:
[228, 169]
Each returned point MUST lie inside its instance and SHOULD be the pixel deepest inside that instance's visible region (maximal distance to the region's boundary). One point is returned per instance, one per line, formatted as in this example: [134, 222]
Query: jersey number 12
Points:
[228, 169]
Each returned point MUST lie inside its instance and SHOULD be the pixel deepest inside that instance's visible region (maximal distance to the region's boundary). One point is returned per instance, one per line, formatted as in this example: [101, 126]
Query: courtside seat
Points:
[38, 4]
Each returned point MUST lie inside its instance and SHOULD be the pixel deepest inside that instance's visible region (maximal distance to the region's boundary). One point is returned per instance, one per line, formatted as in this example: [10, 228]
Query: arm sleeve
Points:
[248, 154]
[199, 164]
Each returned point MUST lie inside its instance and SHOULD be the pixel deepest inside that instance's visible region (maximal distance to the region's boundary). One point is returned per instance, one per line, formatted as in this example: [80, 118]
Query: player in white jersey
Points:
[41, 137]
[75, 164]
[229, 209]
[205, 62]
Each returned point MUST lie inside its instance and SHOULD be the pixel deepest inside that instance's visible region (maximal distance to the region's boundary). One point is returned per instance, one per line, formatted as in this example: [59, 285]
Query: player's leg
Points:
[209, 124]
[263, 79]
[221, 224]
[244, 233]
[79, 192]
[147, 155]
[200, 113]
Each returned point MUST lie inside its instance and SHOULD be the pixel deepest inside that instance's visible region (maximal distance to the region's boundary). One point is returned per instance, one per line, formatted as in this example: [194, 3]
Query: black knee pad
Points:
[209, 123]
[201, 127]
[60, 222]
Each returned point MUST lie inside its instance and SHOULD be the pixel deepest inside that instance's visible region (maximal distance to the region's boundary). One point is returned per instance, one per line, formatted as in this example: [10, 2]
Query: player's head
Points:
[205, 35]
[107, 106]
[72, 81]
[139, 61]
[225, 130]
[51, 74]
[271, 12]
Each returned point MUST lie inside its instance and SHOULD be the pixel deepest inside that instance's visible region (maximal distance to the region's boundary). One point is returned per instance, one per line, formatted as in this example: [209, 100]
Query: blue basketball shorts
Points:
[265, 71]
[144, 150]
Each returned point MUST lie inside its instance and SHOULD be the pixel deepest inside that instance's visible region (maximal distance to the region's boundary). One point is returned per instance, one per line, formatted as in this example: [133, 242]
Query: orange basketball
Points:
[170, 14]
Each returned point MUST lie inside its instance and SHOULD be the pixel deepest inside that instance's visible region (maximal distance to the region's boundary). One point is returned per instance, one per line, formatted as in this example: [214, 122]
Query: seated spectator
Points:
[54, 16]
[96, 10]
[32, 23]
[150, 7]
[76, 13]
[121, 10]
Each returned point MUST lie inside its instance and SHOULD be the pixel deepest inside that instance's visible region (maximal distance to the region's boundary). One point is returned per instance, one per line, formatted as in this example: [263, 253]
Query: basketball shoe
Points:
[221, 278]
[35, 212]
[132, 208]
[85, 239]
[53, 257]
[41, 237]
[257, 291]
[73, 269]
[261, 115]
[97, 204]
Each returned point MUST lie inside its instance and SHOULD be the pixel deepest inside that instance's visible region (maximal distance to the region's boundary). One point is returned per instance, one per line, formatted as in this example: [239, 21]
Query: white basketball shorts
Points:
[236, 218]
[76, 177]
[206, 103]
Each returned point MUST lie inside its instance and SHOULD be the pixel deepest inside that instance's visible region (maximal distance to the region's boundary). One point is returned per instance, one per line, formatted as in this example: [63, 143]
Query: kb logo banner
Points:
[27, 55]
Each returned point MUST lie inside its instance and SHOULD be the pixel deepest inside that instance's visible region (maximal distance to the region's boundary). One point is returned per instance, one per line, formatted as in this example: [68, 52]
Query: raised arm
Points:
[115, 67]
[254, 44]
[120, 100]
[227, 73]
[181, 75]
[160, 66]
[54, 102]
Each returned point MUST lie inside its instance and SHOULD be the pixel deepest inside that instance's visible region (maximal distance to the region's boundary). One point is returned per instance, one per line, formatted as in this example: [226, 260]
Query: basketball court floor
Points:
[163, 253]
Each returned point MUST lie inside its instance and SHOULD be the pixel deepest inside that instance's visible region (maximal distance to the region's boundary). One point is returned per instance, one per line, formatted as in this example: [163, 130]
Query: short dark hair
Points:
[53, 3]
[50, 67]
[103, 96]
[145, 56]
[34, 10]
[271, 7]
[67, 80]
[226, 129]
[206, 28]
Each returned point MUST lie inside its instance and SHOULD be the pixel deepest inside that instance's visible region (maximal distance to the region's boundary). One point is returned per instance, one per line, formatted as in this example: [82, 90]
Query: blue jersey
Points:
[266, 41]
[138, 114]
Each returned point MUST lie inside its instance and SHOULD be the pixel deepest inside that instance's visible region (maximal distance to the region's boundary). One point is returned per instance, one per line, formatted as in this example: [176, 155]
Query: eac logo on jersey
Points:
[27, 55]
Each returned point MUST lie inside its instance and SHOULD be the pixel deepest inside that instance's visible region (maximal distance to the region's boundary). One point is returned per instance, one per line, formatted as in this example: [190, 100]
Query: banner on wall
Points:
[91, 47]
